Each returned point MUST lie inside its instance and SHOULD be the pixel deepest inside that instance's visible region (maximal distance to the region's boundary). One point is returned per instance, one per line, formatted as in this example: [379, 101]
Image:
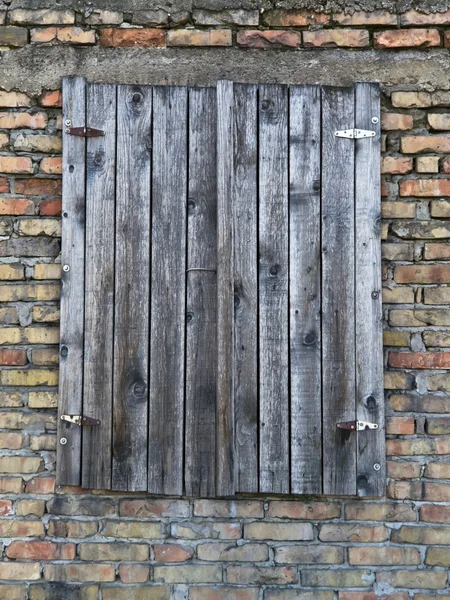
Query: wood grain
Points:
[68, 464]
[131, 321]
[201, 297]
[368, 310]
[338, 292]
[274, 475]
[304, 290]
[99, 286]
[168, 291]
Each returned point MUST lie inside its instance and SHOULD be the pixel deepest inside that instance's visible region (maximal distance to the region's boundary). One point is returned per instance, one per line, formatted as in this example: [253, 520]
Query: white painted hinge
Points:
[354, 134]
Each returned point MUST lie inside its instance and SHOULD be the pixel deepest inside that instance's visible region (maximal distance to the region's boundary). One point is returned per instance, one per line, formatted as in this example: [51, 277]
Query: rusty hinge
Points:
[357, 425]
[79, 420]
[83, 131]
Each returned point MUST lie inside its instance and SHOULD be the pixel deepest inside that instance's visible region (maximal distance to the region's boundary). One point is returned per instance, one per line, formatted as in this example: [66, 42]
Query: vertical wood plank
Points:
[99, 288]
[225, 455]
[338, 292]
[245, 221]
[68, 464]
[131, 322]
[368, 311]
[201, 297]
[304, 290]
[168, 297]
[273, 290]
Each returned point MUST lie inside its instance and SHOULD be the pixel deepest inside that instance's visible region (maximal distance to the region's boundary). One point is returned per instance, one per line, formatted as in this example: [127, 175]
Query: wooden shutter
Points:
[221, 309]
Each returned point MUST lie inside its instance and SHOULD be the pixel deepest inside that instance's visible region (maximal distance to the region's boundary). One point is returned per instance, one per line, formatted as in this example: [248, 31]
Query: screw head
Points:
[374, 119]
[63, 441]
[375, 295]
[376, 467]
[67, 122]
[66, 268]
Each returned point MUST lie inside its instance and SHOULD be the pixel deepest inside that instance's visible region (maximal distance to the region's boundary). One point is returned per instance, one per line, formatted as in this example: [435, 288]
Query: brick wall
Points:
[70, 544]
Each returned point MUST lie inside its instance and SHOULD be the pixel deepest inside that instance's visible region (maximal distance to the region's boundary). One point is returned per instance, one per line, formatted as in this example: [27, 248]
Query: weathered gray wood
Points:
[168, 295]
[368, 312]
[338, 292]
[201, 297]
[131, 322]
[99, 286]
[68, 464]
[274, 473]
[245, 221]
[304, 290]
[225, 454]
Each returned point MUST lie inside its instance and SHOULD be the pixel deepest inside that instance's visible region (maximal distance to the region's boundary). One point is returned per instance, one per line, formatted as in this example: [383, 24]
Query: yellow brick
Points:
[396, 338]
[398, 295]
[46, 314]
[398, 210]
[13, 271]
[10, 335]
[29, 377]
[43, 400]
[41, 335]
[38, 291]
[427, 164]
[47, 271]
[43, 357]
[21, 464]
[50, 227]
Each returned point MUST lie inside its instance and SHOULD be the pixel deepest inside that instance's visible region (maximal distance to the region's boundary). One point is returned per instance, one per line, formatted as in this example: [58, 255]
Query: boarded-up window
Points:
[221, 306]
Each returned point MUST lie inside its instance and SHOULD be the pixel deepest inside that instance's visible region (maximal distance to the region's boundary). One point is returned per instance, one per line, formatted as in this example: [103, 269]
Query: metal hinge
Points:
[79, 420]
[355, 134]
[357, 425]
[84, 131]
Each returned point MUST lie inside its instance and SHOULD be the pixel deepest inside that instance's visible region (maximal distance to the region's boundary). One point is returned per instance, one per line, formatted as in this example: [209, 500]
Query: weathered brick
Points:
[133, 573]
[18, 120]
[9, 316]
[14, 100]
[414, 17]
[47, 271]
[419, 318]
[403, 470]
[226, 17]
[26, 291]
[42, 442]
[422, 403]
[79, 572]
[396, 121]
[304, 510]
[37, 186]
[13, 357]
[114, 552]
[438, 470]
[407, 38]
[30, 247]
[41, 17]
[411, 579]
[412, 144]
[21, 464]
[425, 187]
[46, 314]
[367, 556]
[309, 555]
[439, 121]
[337, 578]
[105, 17]
[50, 227]
[89, 505]
[37, 143]
[11, 399]
[229, 508]
[342, 38]
[223, 551]
[439, 383]
[126, 38]
[158, 592]
[16, 206]
[76, 36]
[12, 441]
[10, 485]
[17, 571]
[14, 37]
[427, 164]
[398, 210]
[12, 271]
[51, 165]
[213, 529]
[417, 447]
[134, 529]
[151, 17]
[51, 208]
[59, 590]
[400, 426]
[34, 550]
[13, 592]
[398, 295]
[396, 165]
[68, 528]
[295, 594]
[188, 574]
[396, 338]
[398, 381]
[16, 164]
[419, 360]
[437, 492]
[294, 18]
[360, 17]
[154, 508]
[433, 513]
[42, 400]
[51, 98]
[353, 533]
[225, 593]
[422, 274]
[40, 485]
[22, 420]
[440, 208]
[165, 553]
[17, 528]
[254, 38]
[436, 295]
[278, 531]
[404, 490]
[261, 575]
[6, 508]
[438, 557]
[43, 36]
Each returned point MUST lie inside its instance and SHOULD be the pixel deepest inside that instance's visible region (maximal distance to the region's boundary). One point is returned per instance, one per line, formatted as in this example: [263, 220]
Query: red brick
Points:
[294, 18]
[16, 206]
[51, 165]
[425, 187]
[172, 553]
[51, 208]
[372, 596]
[447, 39]
[419, 360]
[38, 187]
[6, 508]
[12, 357]
[4, 185]
[129, 38]
[360, 17]
[331, 38]
[16, 164]
[268, 39]
[11, 120]
[400, 425]
[51, 98]
[40, 485]
[396, 165]
[133, 573]
[34, 550]
[407, 38]
[413, 144]
[422, 274]
[437, 492]
[414, 17]
[433, 513]
[445, 165]
[396, 121]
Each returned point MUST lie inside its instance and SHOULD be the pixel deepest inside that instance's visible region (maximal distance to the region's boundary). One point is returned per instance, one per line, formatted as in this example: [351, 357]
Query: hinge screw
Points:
[376, 467]
[63, 441]
[375, 295]
[66, 268]
[374, 119]
[67, 122]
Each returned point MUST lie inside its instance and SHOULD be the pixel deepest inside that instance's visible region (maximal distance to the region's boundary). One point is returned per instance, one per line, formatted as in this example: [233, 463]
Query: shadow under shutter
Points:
[221, 310]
